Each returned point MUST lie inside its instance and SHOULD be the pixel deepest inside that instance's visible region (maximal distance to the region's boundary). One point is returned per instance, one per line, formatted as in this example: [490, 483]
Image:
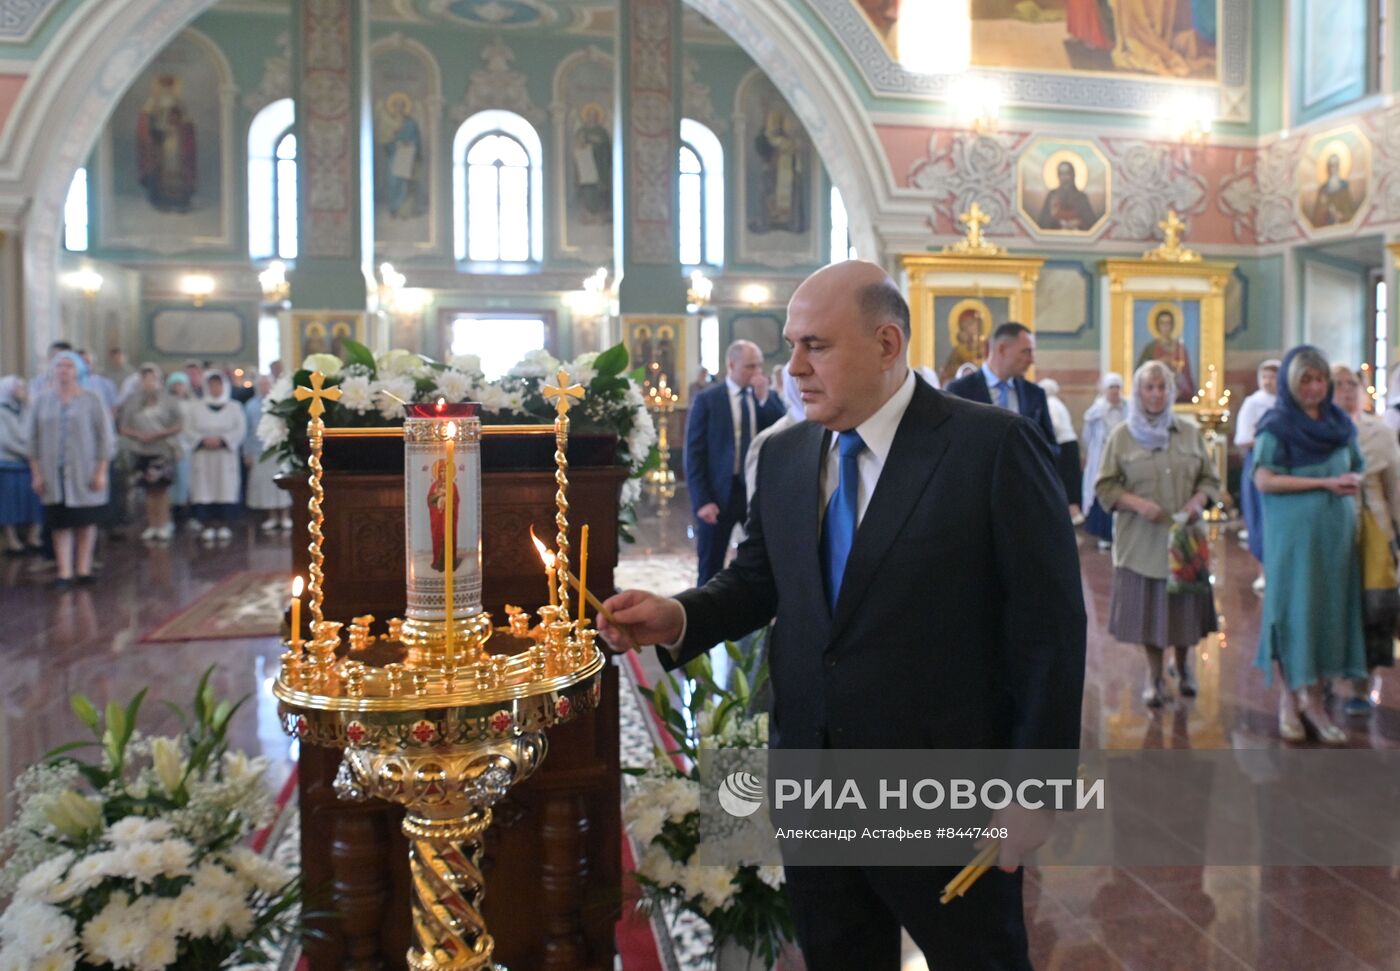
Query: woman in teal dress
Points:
[1307, 467]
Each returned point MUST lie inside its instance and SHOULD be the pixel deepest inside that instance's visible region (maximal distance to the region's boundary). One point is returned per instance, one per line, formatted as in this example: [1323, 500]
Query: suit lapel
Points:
[801, 513]
[918, 447]
[984, 393]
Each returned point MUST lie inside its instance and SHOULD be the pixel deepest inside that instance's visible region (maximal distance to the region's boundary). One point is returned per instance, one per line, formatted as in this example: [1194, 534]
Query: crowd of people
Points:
[1319, 495]
[81, 449]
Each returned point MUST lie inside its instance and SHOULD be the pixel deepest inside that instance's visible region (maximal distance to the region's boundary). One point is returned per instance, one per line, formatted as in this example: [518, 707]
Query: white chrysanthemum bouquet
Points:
[744, 902]
[138, 860]
[373, 387]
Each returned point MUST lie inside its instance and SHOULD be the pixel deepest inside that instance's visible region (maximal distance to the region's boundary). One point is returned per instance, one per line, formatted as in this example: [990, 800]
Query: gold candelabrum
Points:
[1211, 405]
[427, 717]
[661, 401]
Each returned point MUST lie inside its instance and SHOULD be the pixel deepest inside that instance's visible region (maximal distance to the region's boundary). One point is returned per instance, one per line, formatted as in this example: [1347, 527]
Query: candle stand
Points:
[426, 715]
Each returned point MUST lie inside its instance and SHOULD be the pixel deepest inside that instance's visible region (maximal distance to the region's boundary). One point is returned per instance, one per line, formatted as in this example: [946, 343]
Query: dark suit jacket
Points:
[973, 387]
[960, 622]
[709, 443]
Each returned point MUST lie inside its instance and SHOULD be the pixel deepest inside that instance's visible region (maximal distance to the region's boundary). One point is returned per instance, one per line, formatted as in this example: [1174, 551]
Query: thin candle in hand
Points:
[296, 613]
[583, 577]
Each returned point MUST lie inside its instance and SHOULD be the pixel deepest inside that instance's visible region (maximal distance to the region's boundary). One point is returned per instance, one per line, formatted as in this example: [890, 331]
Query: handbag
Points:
[1188, 559]
[1381, 599]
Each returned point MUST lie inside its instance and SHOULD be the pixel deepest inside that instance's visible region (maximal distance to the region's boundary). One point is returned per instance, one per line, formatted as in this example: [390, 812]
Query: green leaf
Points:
[71, 746]
[116, 720]
[223, 711]
[638, 374]
[130, 715]
[357, 353]
[611, 362]
[84, 709]
[741, 685]
[735, 654]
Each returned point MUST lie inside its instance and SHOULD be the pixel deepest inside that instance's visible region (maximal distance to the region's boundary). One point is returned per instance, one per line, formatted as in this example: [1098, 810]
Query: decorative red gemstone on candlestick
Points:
[301, 727]
[501, 722]
[423, 731]
[355, 732]
[562, 707]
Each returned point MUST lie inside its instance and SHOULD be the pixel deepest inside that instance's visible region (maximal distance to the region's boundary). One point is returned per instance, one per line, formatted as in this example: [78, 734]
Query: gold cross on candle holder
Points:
[317, 393]
[975, 244]
[562, 394]
[1171, 250]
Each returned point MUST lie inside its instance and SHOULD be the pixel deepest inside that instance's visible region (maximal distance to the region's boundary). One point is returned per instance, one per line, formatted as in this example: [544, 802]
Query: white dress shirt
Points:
[1013, 400]
[1247, 421]
[736, 399]
[877, 432]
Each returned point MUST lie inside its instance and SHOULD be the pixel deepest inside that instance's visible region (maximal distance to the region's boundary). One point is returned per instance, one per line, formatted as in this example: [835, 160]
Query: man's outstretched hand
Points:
[642, 618]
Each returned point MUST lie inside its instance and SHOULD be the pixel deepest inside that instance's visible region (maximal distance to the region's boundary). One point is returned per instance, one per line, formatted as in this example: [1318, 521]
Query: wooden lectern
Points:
[553, 859]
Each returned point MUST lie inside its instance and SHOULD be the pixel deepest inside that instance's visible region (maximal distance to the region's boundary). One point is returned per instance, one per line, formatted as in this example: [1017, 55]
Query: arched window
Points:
[841, 248]
[75, 214]
[701, 196]
[498, 199]
[272, 183]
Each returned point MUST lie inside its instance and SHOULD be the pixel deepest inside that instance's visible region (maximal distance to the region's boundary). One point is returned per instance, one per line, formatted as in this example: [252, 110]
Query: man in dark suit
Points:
[722, 423]
[1001, 380]
[917, 553]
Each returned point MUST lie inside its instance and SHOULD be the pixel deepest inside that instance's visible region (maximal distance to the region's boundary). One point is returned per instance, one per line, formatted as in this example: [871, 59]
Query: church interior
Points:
[238, 193]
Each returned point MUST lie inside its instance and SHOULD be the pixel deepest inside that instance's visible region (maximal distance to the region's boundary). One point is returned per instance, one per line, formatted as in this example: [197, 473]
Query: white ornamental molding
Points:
[1148, 180]
[1260, 195]
[19, 19]
[695, 98]
[973, 168]
[497, 85]
[276, 82]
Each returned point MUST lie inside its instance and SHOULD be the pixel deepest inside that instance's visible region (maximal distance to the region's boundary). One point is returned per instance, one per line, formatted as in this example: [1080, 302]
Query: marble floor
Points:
[1273, 919]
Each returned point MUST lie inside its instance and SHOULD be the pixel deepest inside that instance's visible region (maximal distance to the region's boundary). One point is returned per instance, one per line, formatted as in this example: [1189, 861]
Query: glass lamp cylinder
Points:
[430, 434]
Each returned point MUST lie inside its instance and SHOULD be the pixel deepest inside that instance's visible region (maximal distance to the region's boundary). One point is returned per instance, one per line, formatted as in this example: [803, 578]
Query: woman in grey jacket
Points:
[71, 443]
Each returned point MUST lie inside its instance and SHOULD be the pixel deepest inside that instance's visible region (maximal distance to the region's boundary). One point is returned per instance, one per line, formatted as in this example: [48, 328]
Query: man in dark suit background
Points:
[917, 553]
[1002, 381]
[723, 421]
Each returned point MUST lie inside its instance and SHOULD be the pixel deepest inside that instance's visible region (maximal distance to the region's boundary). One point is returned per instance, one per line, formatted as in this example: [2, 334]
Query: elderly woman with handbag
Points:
[1377, 512]
[1157, 478]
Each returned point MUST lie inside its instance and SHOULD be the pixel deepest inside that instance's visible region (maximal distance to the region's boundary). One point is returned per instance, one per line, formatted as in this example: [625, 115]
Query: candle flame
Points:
[296, 586]
[546, 555]
[441, 403]
[450, 429]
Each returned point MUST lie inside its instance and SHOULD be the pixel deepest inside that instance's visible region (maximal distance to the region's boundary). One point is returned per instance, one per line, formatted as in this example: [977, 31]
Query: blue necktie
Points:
[745, 426]
[839, 526]
[1004, 394]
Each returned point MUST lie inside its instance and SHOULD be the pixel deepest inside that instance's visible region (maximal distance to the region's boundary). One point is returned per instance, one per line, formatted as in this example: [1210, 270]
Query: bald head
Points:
[848, 327]
[744, 361]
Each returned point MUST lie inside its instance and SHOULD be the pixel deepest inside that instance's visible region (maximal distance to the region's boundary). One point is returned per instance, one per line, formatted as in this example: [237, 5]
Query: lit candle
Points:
[296, 612]
[548, 559]
[583, 576]
[449, 528]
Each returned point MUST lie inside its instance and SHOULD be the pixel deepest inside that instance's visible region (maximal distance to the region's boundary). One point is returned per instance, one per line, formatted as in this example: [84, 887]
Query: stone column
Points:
[333, 275]
[646, 238]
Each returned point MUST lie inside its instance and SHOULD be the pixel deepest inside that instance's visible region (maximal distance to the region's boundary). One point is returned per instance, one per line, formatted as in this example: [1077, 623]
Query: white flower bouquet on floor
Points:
[744, 904]
[138, 860]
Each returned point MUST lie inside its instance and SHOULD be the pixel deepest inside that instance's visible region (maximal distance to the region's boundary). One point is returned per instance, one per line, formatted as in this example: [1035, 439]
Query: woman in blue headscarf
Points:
[1307, 467]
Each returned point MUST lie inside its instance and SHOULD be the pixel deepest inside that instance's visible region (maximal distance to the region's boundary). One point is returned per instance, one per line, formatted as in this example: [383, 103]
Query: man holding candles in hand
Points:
[917, 553]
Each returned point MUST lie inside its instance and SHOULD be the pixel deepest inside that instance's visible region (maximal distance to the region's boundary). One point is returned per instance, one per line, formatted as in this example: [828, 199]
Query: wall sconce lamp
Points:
[1189, 118]
[273, 281]
[701, 289]
[198, 287]
[977, 102]
[595, 299]
[86, 281]
[755, 294]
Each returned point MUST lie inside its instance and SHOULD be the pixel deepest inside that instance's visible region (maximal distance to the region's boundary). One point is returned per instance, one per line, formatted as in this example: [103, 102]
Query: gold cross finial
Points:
[562, 393]
[316, 393]
[1171, 250]
[974, 244]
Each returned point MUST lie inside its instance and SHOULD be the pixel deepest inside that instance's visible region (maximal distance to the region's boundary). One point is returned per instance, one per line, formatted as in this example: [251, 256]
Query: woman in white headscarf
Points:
[1067, 461]
[1156, 470]
[792, 399]
[216, 426]
[1108, 411]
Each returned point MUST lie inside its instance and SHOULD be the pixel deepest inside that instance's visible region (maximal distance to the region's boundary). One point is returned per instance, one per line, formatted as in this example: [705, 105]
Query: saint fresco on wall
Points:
[163, 161]
[780, 178]
[583, 92]
[404, 89]
[1063, 185]
[1160, 38]
[1333, 177]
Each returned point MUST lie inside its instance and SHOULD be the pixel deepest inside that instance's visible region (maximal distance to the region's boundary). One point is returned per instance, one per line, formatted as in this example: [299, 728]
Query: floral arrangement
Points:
[1188, 559]
[373, 389]
[136, 861]
[743, 904]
